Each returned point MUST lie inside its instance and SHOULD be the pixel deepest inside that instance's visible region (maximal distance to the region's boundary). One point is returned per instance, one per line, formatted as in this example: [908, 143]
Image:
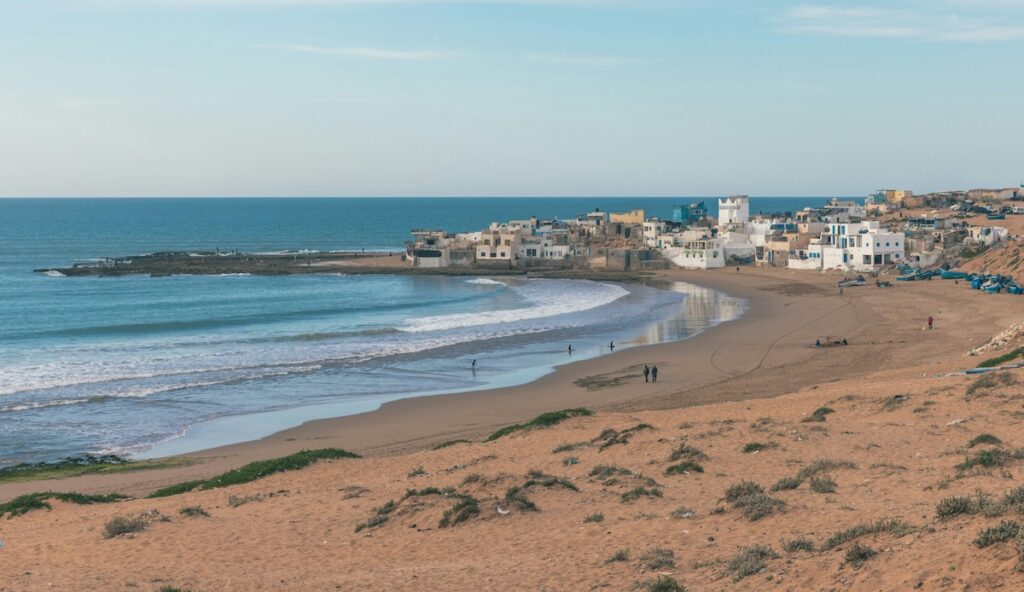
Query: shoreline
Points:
[766, 353]
[423, 421]
[269, 423]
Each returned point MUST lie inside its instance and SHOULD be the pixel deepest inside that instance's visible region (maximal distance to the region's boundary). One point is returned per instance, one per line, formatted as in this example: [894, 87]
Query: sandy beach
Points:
[766, 353]
[899, 423]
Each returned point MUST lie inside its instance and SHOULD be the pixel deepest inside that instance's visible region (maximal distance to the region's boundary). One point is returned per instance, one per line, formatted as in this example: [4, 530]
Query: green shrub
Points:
[465, 508]
[985, 458]
[687, 452]
[823, 484]
[786, 483]
[620, 555]
[537, 478]
[990, 381]
[819, 414]
[541, 421]
[595, 517]
[257, 470]
[380, 516]
[119, 525]
[741, 490]
[194, 511]
[662, 584]
[38, 501]
[892, 526]
[823, 466]
[984, 439]
[955, 506]
[683, 468]
[758, 506]
[638, 492]
[749, 561]
[1005, 530]
[451, 443]
[797, 545]
[857, 554]
[1000, 360]
[516, 497]
[177, 488]
[601, 472]
[658, 558]
[1015, 498]
[757, 446]
[612, 437]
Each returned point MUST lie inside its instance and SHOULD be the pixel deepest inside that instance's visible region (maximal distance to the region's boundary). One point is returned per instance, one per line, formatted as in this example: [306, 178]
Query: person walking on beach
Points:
[474, 364]
[611, 345]
[654, 374]
[647, 373]
[737, 269]
[570, 349]
[929, 322]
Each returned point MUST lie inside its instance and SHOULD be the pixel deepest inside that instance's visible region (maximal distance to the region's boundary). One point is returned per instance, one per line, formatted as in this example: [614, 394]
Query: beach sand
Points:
[752, 380]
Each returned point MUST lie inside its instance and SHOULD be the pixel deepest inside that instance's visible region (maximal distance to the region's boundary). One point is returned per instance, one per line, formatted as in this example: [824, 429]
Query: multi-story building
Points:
[861, 246]
[498, 246]
[734, 209]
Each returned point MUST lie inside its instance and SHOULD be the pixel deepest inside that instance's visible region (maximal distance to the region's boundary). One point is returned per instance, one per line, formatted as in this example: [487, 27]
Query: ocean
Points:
[142, 366]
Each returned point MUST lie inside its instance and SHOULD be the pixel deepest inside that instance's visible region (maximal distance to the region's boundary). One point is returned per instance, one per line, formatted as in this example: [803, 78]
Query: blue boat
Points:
[948, 274]
[977, 282]
[992, 287]
[996, 216]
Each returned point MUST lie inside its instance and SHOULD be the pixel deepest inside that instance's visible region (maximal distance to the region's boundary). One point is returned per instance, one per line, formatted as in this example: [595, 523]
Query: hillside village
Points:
[891, 229]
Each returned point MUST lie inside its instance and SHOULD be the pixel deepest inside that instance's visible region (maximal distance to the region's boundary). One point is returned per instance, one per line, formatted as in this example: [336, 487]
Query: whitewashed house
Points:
[859, 246]
[705, 253]
[734, 209]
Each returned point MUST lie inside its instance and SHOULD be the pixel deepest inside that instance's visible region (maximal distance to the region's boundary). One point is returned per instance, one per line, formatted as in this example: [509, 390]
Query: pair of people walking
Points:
[650, 373]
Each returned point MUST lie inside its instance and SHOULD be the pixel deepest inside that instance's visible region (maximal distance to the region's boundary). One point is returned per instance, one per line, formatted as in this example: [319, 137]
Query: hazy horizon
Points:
[469, 98]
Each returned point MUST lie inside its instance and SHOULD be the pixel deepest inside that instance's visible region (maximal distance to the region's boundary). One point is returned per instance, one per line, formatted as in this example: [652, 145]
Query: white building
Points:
[860, 246]
[706, 253]
[734, 209]
[652, 230]
[987, 235]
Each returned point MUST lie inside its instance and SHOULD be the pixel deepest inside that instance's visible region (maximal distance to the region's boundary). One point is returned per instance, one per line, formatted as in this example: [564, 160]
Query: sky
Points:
[508, 97]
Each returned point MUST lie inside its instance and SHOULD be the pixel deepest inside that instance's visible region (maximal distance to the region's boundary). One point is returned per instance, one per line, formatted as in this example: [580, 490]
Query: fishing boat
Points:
[949, 274]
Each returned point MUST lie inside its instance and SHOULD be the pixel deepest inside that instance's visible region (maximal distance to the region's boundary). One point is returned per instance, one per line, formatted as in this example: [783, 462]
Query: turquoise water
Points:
[125, 364]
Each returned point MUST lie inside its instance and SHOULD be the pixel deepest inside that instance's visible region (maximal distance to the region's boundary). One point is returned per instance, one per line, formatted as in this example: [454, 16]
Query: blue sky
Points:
[494, 97]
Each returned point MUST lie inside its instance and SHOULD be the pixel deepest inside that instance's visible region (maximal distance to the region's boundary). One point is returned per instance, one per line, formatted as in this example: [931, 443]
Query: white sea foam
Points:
[547, 298]
[486, 282]
[54, 273]
[139, 392]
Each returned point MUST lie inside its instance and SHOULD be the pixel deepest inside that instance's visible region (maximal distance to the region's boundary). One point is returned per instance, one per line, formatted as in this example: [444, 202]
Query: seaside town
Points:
[893, 230]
